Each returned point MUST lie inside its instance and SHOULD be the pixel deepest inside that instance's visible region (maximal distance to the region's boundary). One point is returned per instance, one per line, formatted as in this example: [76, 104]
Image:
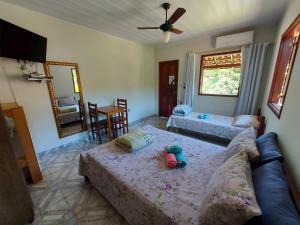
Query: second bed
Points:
[215, 125]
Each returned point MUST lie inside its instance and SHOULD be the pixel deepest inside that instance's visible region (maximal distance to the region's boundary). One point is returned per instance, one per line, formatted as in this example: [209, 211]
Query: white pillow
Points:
[244, 141]
[66, 101]
[246, 121]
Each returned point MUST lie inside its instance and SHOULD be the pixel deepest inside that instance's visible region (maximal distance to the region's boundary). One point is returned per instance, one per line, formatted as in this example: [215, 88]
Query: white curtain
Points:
[253, 58]
[190, 79]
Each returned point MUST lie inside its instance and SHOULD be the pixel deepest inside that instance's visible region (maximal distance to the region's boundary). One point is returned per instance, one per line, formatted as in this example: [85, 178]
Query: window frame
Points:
[279, 61]
[202, 68]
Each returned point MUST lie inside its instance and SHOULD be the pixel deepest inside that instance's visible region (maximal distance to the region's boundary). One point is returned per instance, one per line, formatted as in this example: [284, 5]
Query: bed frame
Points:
[262, 123]
[293, 187]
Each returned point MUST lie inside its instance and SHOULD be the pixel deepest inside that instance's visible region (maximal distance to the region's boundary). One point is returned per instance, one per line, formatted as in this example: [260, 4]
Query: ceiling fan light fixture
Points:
[166, 36]
[167, 26]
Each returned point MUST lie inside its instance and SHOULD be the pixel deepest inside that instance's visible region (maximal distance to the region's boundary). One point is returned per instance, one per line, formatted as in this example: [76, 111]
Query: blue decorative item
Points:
[203, 116]
[181, 162]
[173, 149]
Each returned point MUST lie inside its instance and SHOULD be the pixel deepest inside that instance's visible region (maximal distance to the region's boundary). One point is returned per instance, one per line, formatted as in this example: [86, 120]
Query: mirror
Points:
[66, 97]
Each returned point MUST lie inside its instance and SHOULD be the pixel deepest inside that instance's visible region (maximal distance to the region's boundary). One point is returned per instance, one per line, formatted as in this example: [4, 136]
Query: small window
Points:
[75, 80]
[220, 74]
[284, 65]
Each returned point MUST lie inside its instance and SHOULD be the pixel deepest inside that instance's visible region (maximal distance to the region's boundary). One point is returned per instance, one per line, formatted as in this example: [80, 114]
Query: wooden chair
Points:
[95, 123]
[122, 103]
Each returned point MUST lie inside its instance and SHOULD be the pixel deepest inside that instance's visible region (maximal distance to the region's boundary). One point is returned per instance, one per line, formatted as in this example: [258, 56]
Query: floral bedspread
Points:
[217, 125]
[143, 189]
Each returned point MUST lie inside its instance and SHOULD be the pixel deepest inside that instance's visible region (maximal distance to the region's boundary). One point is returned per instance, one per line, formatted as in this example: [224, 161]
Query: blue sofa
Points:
[271, 186]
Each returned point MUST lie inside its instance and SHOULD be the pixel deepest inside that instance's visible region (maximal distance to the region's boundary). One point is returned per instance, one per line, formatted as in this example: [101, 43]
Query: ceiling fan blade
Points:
[147, 28]
[176, 31]
[176, 15]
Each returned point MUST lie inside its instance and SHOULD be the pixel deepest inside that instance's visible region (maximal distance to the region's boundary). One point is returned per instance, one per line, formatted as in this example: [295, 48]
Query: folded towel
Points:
[173, 149]
[203, 116]
[181, 162]
[170, 159]
[134, 140]
[182, 110]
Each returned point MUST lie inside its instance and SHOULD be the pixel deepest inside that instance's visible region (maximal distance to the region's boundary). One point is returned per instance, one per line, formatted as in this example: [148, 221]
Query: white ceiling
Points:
[121, 17]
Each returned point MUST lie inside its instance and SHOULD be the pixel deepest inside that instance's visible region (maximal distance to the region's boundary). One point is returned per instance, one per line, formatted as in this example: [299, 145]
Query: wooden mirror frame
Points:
[52, 95]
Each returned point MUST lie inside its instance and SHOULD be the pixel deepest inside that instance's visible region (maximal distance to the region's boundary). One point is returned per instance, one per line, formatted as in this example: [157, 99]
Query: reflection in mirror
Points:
[66, 97]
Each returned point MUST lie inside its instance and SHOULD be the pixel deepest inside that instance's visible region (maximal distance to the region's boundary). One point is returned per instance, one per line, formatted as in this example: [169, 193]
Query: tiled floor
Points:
[63, 197]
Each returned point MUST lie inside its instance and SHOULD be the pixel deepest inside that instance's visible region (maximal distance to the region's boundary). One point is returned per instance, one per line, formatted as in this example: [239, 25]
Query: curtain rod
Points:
[217, 51]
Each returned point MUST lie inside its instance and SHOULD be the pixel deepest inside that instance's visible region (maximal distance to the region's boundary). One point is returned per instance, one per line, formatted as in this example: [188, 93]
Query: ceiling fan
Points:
[167, 27]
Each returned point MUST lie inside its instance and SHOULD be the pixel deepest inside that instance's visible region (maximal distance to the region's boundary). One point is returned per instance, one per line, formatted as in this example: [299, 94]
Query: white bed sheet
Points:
[216, 125]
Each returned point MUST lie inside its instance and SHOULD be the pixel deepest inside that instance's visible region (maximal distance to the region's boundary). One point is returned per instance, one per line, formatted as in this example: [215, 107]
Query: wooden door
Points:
[168, 79]
[15, 203]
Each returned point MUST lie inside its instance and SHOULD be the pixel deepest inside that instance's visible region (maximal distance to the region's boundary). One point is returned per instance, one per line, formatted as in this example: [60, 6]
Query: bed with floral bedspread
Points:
[143, 189]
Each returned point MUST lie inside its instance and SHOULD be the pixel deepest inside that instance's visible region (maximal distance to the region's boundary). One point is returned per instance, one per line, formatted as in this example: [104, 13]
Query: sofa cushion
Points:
[268, 149]
[273, 196]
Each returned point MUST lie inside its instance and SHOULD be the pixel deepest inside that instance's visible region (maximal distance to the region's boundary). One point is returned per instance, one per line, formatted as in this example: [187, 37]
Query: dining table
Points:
[109, 111]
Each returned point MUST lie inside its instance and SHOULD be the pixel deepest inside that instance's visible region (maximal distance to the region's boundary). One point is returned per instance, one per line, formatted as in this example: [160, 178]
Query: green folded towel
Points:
[181, 162]
[134, 140]
[173, 149]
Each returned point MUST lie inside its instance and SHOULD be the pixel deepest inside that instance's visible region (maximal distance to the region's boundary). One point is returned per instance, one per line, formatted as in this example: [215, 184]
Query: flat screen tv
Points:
[18, 43]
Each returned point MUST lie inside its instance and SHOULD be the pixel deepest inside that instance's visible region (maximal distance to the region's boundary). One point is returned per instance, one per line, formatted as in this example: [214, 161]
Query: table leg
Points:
[123, 124]
[109, 127]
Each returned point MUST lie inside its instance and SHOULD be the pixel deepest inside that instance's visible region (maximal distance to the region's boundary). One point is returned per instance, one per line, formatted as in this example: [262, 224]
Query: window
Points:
[75, 81]
[285, 60]
[220, 74]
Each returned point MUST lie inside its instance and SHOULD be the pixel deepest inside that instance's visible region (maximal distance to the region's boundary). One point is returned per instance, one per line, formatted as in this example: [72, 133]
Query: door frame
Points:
[176, 79]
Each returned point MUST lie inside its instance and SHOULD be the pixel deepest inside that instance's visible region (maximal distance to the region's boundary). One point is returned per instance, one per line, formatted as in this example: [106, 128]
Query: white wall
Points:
[205, 44]
[110, 67]
[288, 126]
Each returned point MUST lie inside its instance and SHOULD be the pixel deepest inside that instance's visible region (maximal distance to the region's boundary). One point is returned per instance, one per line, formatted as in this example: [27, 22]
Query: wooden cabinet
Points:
[22, 141]
[16, 207]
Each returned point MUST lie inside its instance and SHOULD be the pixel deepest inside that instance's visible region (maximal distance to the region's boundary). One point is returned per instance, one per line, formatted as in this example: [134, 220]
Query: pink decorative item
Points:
[170, 159]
